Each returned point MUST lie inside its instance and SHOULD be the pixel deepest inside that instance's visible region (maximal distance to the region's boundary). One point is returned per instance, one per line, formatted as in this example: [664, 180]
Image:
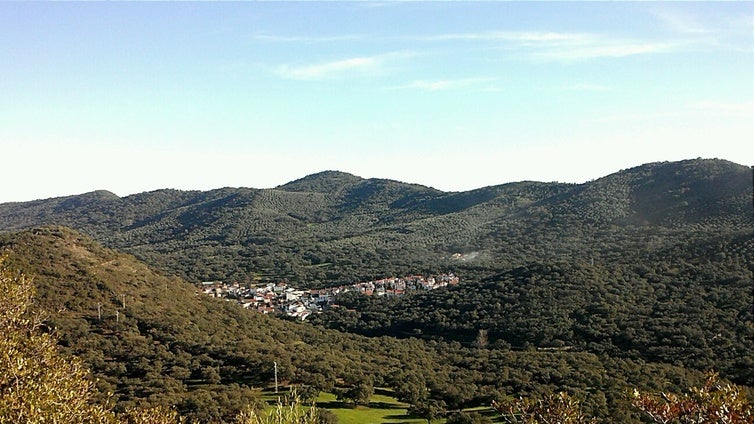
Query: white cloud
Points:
[450, 84]
[722, 29]
[307, 38]
[329, 69]
[597, 49]
[680, 21]
[560, 46]
[354, 66]
[585, 87]
[511, 36]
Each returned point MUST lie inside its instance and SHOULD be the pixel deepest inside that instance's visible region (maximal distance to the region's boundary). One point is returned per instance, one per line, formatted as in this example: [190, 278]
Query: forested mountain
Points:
[152, 340]
[334, 227]
[695, 312]
[641, 278]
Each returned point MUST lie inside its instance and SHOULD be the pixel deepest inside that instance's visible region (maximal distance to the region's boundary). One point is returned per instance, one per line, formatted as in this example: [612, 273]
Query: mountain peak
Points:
[323, 182]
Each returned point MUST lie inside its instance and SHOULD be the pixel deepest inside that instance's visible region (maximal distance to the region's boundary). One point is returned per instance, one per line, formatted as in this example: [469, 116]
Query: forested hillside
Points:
[169, 346]
[641, 278]
[684, 306]
[334, 227]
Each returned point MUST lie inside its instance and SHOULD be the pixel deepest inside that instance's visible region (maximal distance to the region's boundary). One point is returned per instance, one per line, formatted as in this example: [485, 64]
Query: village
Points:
[296, 303]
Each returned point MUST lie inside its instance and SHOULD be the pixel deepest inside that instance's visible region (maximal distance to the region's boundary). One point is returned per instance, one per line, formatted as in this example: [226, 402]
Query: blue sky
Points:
[131, 96]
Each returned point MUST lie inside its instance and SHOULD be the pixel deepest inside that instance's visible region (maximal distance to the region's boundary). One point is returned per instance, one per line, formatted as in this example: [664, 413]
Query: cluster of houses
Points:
[280, 298]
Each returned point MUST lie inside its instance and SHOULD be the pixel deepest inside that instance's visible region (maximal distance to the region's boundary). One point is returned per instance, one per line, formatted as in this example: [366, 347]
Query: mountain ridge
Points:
[374, 226]
[644, 271]
[308, 182]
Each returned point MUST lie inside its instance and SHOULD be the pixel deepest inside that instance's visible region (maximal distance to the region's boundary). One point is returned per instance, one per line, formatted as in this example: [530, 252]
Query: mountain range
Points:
[642, 278]
[334, 227]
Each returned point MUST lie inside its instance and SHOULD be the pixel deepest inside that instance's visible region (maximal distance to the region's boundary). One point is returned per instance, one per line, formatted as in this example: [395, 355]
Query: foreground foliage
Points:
[37, 384]
[40, 385]
[715, 402]
[558, 408]
[286, 411]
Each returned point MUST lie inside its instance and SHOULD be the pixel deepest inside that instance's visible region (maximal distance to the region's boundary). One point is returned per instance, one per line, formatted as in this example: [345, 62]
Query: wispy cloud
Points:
[559, 46]
[511, 36]
[449, 84]
[532, 45]
[308, 38]
[599, 49]
[585, 87]
[329, 69]
[680, 21]
[359, 66]
[354, 66]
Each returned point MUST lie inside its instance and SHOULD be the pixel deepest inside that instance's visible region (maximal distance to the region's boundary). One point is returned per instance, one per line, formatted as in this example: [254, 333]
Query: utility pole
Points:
[117, 316]
[99, 311]
[276, 376]
[123, 296]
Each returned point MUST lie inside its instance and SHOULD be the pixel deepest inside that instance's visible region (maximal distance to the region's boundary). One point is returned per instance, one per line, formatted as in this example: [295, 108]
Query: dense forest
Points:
[333, 227]
[642, 278]
[696, 314]
[151, 340]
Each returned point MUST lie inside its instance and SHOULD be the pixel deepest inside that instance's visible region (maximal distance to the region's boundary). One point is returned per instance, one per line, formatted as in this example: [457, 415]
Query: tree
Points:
[410, 387]
[468, 418]
[37, 384]
[482, 339]
[156, 415]
[309, 394]
[558, 408]
[358, 394]
[326, 416]
[429, 410]
[361, 393]
[360, 390]
[714, 402]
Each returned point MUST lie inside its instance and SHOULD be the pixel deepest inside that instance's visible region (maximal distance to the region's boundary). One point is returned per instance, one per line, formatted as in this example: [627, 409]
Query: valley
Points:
[296, 303]
[640, 279]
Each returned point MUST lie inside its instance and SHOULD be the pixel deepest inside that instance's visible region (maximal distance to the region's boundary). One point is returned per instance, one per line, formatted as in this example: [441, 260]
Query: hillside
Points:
[690, 305]
[334, 227]
[640, 278]
[169, 346]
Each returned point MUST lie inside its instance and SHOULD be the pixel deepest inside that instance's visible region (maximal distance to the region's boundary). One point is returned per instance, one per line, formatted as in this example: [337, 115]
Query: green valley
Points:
[640, 279]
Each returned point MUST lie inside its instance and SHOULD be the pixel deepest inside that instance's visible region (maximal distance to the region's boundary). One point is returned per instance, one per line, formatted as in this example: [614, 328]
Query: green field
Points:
[382, 409]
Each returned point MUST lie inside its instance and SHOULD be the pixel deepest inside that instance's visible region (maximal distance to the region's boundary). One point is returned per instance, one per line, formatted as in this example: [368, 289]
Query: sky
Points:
[139, 96]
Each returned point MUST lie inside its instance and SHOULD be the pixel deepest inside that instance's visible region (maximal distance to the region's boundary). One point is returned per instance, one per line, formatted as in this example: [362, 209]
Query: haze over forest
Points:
[451, 95]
